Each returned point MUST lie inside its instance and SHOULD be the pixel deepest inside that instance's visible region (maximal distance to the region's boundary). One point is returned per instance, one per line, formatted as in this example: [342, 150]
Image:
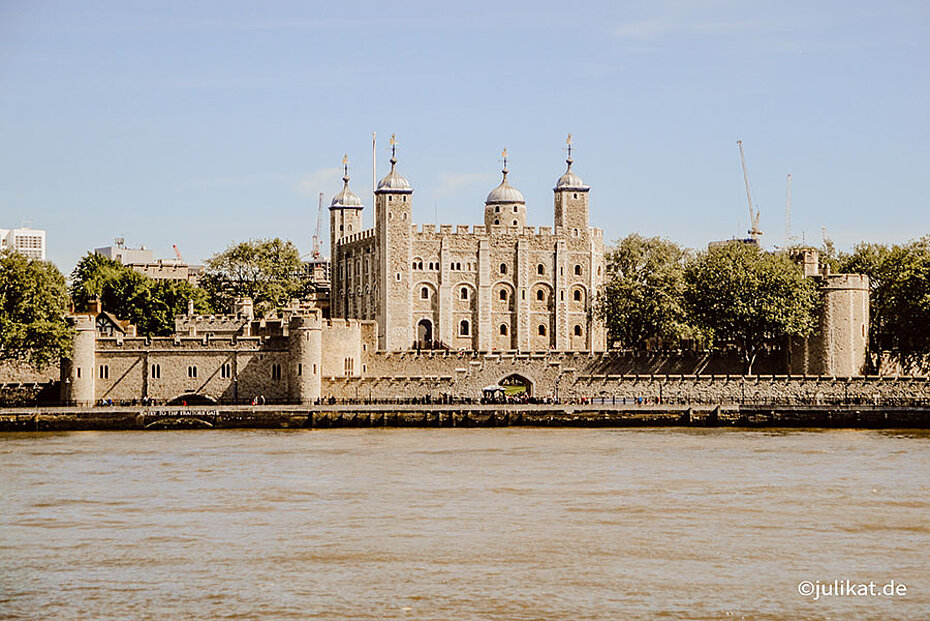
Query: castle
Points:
[495, 287]
[421, 312]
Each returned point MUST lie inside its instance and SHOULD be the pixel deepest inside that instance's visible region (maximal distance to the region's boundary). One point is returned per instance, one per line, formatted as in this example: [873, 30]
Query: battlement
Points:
[187, 344]
[357, 237]
[345, 323]
[480, 230]
[858, 282]
[82, 322]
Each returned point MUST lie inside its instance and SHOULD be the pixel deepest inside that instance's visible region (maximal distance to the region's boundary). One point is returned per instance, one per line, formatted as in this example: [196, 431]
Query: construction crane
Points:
[788, 214]
[177, 253]
[315, 253]
[754, 232]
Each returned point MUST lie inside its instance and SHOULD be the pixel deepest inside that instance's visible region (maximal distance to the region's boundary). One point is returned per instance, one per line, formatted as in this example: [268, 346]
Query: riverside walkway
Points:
[460, 415]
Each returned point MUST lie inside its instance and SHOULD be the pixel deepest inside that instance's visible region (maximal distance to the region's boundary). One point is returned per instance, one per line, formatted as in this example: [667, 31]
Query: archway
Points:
[425, 334]
[516, 385]
[192, 399]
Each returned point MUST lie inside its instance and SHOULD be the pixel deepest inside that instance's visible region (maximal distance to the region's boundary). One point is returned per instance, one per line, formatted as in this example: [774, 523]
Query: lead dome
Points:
[569, 180]
[346, 199]
[393, 180]
[505, 193]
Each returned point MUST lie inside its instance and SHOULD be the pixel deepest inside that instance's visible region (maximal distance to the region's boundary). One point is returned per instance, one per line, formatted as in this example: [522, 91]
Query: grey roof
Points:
[393, 181]
[569, 180]
[504, 193]
[347, 199]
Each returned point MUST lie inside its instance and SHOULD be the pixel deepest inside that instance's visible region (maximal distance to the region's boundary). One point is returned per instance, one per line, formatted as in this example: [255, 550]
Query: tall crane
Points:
[754, 232]
[315, 253]
[788, 214]
[177, 253]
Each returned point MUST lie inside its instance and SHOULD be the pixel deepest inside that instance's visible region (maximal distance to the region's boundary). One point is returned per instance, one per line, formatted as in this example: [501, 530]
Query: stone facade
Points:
[839, 344]
[500, 286]
[277, 360]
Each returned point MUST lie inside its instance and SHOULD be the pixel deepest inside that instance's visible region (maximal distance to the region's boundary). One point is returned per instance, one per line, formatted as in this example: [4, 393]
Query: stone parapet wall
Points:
[654, 389]
[21, 372]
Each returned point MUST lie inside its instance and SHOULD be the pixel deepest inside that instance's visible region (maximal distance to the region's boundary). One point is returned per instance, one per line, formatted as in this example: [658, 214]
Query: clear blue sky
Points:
[204, 123]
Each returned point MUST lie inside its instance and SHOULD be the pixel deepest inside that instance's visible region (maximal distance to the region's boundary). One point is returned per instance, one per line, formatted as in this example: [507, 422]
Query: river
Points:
[506, 523]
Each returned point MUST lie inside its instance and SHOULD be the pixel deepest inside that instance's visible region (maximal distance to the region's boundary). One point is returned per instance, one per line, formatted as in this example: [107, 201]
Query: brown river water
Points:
[502, 523]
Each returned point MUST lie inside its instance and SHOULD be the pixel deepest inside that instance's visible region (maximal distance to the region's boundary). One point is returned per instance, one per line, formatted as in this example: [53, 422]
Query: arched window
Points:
[542, 330]
[463, 293]
[503, 268]
[458, 266]
[515, 209]
[497, 222]
[540, 295]
[424, 293]
[577, 270]
[540, 269]
[577, 295]
[464, 328]
[503, 295]
[503, 329]
[577, 330]
[497, 209]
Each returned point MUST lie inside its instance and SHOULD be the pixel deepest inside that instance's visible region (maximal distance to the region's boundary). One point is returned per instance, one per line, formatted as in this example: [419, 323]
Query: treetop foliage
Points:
[33, 302]
[266, 270]
[148, 303]
[899, 292]
[741, 294]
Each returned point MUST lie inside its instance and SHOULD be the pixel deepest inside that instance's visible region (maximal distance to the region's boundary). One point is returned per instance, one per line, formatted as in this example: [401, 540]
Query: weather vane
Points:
[393, 144]
[568, 141]
[504, 157]
[345, 164]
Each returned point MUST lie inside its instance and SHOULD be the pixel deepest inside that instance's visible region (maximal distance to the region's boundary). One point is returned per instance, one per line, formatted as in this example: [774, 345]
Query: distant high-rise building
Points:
[27, 241]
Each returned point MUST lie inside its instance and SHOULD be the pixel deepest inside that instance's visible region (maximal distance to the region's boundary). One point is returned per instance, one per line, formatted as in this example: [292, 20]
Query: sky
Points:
[203, 124]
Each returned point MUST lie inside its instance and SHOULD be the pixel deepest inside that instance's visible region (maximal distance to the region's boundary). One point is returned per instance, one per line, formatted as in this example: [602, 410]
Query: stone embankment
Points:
[490, 415]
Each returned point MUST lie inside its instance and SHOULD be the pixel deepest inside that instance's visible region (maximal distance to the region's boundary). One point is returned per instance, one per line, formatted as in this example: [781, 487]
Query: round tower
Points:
[845, 325]
[77, 381]
[505, 206]
[305, 357]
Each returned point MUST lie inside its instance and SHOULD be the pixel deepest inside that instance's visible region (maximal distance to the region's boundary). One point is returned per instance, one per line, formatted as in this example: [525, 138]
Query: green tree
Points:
[740, 294]
[148, 303]
[899, 296]
[33, 302]
[266, 270]
[643, 297]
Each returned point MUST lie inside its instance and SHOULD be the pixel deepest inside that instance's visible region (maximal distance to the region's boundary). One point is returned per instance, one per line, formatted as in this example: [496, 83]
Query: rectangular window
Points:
[276, 371]
[104, 371]
[192, 372]
[226, 370]
[300, 369]
[79, 372]
[156, 371]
